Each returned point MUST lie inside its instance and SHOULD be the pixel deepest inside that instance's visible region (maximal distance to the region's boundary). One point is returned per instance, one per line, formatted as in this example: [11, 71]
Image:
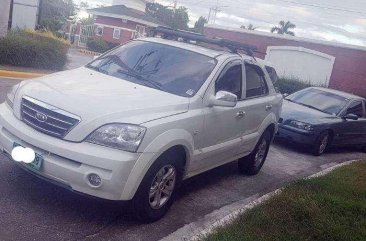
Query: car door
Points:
[352, 132]
[259, 103]
[223, 126]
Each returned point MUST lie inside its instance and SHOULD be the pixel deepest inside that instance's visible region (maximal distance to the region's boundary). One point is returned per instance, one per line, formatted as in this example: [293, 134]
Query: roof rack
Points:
[233, 46]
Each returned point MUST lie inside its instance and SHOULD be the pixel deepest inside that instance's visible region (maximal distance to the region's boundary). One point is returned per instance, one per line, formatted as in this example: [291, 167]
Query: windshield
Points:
[317, 99]
[158, 66]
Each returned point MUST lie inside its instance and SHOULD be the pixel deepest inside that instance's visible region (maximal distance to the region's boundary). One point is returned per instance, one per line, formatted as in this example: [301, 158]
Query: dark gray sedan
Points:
[320, 117]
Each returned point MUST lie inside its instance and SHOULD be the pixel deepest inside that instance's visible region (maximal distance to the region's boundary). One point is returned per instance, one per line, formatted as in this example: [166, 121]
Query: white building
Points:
[4, 17]
[25, 14]
[135, 4]
[18, 14]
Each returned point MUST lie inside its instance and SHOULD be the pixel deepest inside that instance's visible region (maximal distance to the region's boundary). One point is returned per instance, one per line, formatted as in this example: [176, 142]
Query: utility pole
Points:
[213, 13]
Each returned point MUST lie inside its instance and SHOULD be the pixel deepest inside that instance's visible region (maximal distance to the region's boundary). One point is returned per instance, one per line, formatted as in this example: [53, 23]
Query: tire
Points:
[252, 164]
[321, 143]
[146, 208]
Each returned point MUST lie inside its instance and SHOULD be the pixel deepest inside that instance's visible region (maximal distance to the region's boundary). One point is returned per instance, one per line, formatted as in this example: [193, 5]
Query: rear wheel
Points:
[252, 164]
[157, 190]
[321, 143]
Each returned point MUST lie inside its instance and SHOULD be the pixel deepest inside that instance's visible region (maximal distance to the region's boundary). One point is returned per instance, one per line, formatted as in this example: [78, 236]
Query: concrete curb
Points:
[208, 224]
[20, 75]
[88, 52]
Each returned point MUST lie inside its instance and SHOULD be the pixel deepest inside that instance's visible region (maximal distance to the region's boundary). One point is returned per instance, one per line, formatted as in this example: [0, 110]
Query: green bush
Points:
[33, 49]
[99, 45]
[291, 85]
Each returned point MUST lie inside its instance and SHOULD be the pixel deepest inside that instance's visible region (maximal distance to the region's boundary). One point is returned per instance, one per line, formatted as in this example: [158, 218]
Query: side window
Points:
[355, 108]
[256, 83]
[274, 77]
[231, 79]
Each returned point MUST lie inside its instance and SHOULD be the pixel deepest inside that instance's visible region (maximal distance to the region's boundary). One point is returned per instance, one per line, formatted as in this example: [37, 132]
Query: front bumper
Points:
[68, 163]
[296, 135]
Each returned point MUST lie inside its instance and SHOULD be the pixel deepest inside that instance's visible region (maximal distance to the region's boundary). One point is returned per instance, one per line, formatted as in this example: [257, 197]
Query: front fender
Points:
[152, 152]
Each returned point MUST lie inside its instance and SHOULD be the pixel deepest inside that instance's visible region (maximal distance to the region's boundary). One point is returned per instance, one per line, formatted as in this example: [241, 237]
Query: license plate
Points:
[37, 162]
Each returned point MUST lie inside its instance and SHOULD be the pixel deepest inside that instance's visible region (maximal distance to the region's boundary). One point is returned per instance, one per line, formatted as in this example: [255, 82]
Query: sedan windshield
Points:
[158, 66]
[320, 100]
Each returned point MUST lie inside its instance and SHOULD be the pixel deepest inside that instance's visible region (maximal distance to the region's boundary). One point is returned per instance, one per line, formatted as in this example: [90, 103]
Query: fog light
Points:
[94, 179]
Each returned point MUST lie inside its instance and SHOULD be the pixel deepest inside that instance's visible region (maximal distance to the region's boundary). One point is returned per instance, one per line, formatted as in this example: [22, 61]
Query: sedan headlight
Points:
[10, 96]
[126, 137]
[301, 125]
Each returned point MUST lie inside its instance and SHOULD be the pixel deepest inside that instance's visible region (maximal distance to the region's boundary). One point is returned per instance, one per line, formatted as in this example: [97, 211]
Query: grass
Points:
[332, 207]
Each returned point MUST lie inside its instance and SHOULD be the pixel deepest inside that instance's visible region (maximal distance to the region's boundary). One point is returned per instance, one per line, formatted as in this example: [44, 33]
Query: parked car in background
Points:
[136, 121]
[320, 117]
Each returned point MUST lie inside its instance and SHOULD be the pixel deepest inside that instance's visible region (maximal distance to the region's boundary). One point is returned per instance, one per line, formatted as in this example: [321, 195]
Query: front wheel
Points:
[252, 164]
[321, 143]
[157, 190]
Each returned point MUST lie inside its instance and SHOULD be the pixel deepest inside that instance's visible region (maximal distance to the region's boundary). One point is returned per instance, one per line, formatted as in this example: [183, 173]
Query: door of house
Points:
[86, 32]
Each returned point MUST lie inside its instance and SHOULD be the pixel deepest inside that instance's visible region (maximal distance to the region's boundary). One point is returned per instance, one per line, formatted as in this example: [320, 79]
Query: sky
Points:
[333, 20]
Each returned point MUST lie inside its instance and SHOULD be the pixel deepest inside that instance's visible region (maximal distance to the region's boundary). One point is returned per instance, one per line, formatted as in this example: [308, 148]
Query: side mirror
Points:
[350, 117]
[224, 99]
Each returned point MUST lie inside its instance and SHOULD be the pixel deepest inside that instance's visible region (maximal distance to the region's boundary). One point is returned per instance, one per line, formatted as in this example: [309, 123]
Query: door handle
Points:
[240, 114]
[268, 107]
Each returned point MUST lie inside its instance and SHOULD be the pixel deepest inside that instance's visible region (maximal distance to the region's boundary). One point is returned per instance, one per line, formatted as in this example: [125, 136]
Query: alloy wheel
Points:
[261, 152]
[162, 186]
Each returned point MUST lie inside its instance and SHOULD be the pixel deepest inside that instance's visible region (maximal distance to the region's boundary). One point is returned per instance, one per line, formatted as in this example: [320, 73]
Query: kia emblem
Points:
[41, 117]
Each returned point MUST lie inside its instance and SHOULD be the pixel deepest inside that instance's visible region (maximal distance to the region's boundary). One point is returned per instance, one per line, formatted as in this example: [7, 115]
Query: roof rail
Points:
[233, 46]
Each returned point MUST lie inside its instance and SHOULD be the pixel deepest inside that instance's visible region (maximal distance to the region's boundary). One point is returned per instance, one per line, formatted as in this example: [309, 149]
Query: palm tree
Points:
[284, 28]
[250, 27]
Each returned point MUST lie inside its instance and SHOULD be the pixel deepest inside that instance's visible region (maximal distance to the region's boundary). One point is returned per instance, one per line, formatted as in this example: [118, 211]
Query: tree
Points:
[249, 27]
[200, 24]
[176, 19]
[284, 28]
[54, 13]
[84, 5]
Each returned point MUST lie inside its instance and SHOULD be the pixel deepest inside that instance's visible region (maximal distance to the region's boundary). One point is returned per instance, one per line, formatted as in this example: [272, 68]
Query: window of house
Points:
[99, 31]
[231, 79]
[116, 33]
[355, 108]
[255, 81]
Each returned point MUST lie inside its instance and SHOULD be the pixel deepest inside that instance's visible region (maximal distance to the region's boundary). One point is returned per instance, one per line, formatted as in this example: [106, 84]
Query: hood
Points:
[99, 99]
[293, 111]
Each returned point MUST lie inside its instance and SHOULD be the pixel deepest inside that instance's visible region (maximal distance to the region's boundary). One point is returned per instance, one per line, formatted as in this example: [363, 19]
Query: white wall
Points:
[25, 14]
[305, 64]
[4, 16]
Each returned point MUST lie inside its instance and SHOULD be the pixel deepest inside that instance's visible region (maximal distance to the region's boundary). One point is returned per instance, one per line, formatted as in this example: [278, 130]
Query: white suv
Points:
[135, 122]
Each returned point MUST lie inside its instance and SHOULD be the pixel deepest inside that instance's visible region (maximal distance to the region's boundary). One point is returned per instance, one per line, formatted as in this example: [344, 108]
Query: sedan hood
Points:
[293, 111]
[99, 99]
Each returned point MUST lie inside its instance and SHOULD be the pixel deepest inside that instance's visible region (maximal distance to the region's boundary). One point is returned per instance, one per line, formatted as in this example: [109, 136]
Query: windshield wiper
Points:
[310, 106]
[139, 77]
[98, 69]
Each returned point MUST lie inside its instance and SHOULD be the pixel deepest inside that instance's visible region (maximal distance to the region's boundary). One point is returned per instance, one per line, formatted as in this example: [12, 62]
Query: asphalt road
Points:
[32, 209]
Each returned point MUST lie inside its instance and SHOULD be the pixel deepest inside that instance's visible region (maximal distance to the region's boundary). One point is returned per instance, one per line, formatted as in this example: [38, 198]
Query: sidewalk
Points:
[76, 59]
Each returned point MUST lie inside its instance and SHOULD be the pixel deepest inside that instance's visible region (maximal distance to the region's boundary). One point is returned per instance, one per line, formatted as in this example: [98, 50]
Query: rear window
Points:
[167, 68]
[274, 77]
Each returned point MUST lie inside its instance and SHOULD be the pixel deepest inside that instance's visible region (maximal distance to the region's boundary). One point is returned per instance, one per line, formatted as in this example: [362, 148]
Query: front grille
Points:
[46, 118]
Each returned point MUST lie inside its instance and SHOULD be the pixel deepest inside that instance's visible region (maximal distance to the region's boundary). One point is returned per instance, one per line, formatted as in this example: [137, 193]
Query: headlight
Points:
[11, 95]
[301, 125]
[126, 137]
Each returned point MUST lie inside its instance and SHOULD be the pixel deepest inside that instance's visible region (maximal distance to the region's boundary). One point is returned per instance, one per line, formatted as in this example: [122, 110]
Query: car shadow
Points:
[305, 149]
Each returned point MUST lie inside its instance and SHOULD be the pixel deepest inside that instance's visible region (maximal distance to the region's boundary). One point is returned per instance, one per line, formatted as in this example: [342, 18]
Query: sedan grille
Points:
[46, 118]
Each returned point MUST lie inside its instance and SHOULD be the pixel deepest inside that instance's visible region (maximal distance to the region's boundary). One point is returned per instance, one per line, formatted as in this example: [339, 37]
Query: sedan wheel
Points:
[321, 143]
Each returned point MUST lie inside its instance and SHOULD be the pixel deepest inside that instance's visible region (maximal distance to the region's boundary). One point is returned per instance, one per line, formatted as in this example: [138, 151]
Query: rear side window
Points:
[274, 77]
[256, 83]
[231, 79]
[356, 108]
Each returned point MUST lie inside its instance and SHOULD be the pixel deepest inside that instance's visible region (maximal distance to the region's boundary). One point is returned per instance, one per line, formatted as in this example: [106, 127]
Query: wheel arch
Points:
[161, 145]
